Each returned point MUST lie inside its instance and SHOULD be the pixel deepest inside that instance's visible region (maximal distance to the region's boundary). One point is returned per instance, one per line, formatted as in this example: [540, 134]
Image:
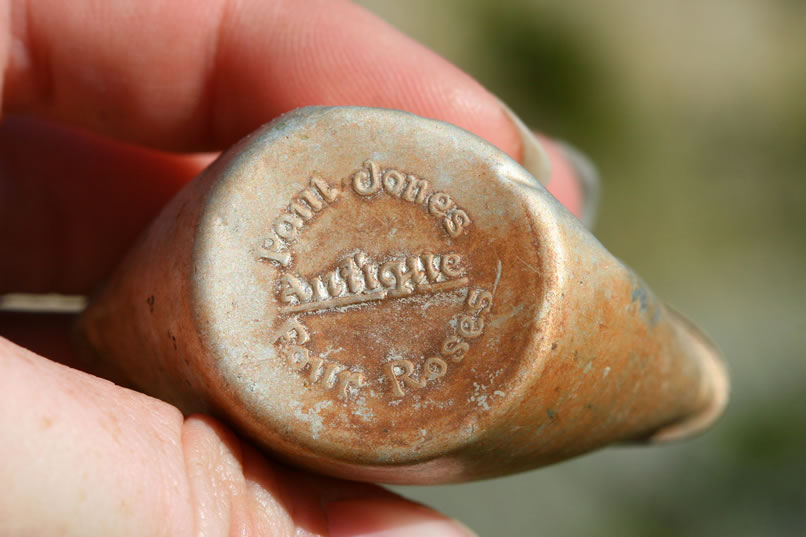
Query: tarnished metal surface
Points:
[378, 296]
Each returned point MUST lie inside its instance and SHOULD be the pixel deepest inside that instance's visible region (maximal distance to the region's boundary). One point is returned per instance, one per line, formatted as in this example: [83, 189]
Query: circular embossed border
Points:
[319, 156]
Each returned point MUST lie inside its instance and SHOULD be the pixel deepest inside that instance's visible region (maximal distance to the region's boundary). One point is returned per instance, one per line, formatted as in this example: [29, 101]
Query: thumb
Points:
[84, 457]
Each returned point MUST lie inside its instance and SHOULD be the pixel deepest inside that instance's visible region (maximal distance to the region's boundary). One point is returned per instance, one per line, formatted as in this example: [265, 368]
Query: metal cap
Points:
[383, 297]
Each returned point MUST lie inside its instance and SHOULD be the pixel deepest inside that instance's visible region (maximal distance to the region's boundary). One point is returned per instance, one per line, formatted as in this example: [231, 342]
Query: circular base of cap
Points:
[367, 282]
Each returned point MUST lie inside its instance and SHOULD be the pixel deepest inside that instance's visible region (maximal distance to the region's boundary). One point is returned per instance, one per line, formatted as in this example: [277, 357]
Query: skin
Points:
[107, 110]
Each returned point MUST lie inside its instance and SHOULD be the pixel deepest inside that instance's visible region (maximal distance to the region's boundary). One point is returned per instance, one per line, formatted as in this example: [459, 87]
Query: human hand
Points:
[145, 80]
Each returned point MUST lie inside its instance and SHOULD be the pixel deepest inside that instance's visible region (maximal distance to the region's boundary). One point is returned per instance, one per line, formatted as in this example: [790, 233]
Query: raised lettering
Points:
[292, 287]
[357, 281]
[454, 348]
[319, 289]
[286, 226]
[370, 280]
[346, 379]
[430, 270]
[417, 274]
[367, 182]
[393, 182]
[331, 374]
[439, 204]
[402, 370]
[335, 285]
[351, 273]
[312, 200]
[435, 368]
[301, 210]
[292, 330]
[450, 265]
[392, 274]
[456, 222]
[470, 327]
[416, 190]
[327, 192]
[301, 358]
[273, 254]
[479, 298]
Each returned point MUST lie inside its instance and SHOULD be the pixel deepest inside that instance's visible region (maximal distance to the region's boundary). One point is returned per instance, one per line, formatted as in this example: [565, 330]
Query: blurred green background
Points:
[695, 113]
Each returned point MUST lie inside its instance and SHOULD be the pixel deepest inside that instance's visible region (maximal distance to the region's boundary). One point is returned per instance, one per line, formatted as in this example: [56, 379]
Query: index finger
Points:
[199, 75]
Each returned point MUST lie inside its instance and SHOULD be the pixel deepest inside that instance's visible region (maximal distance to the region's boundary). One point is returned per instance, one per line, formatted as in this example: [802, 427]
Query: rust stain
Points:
[382, 297]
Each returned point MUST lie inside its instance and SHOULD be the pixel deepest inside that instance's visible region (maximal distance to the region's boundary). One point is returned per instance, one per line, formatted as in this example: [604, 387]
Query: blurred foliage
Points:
[695, 113]
[538, 66]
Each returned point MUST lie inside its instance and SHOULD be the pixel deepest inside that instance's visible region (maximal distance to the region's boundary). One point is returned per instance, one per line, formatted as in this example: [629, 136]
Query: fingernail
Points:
[536, 161]
[534, 158]
[588, 177]
[390, 517]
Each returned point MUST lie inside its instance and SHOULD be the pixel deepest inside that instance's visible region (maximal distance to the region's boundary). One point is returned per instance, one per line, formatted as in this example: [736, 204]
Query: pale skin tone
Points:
[146, 79]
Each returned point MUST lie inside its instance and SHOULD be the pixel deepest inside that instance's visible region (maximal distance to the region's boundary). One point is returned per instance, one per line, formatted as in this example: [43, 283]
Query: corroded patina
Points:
[378, 296]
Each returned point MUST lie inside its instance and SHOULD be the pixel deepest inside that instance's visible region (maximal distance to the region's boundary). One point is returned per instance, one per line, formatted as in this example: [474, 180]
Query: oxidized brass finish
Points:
[382, 297]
